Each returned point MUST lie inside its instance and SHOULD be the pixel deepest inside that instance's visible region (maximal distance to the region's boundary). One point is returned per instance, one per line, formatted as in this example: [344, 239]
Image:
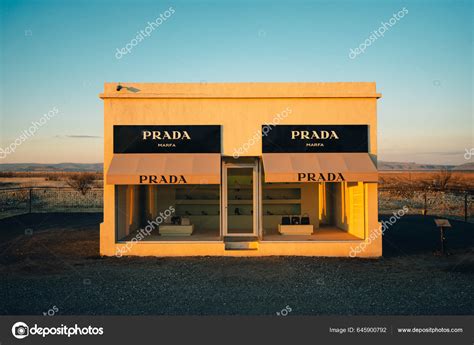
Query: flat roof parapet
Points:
[241, 90]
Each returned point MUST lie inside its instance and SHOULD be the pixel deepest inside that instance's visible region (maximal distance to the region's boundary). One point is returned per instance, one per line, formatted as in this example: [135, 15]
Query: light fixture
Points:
[129, 88]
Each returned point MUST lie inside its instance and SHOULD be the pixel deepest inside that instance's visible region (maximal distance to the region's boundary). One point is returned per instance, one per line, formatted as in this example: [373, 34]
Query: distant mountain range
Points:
[65, 167]
[98, 167]
[412, 166]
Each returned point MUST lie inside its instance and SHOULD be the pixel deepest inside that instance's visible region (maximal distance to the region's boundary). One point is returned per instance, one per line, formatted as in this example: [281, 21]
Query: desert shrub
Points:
[53, 177]
[82, 182]
[441, 181]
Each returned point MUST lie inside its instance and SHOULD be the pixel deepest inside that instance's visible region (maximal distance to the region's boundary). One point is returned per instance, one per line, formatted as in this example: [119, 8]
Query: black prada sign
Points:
[316, 138]
[167, 139]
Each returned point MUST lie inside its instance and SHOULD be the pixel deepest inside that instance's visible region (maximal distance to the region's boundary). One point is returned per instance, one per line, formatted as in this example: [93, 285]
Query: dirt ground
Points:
[51, 260]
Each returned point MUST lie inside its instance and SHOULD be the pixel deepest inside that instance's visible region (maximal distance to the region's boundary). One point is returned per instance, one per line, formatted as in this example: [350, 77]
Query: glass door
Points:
[240, 199]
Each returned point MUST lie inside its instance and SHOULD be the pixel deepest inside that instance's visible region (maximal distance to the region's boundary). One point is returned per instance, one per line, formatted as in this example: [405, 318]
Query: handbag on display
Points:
[295, 220]
[185, 221]
[305, 219]
[285, 221]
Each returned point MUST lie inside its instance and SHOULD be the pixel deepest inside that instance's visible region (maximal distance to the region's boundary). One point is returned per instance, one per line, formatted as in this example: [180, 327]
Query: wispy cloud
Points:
[441, 153]
[437, 153]
[79, 136]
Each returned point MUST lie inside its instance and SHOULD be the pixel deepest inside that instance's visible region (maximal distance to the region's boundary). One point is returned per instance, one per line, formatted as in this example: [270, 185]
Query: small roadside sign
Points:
[442, 223]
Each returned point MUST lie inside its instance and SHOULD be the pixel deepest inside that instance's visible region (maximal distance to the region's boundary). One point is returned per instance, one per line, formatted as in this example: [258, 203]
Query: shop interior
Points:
[193, 212]
[332, 211]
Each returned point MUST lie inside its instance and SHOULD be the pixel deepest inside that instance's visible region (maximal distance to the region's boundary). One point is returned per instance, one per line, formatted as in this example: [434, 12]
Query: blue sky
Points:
[59, 54]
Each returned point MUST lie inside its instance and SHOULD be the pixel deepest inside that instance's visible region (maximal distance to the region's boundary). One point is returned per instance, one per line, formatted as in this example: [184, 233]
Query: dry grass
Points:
[435, 179]
[43, 179]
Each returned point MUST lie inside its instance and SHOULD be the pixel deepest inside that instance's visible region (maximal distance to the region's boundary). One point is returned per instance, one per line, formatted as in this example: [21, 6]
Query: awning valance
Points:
[164, 169]
[319, 167]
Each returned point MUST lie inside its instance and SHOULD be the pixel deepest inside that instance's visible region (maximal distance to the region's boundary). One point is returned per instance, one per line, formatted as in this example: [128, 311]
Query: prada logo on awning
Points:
[163, 179]
[321, 177]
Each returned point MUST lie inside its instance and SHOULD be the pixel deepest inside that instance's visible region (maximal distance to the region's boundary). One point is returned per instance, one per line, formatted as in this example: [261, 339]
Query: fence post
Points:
[465, 207]
[425, 207]
[30, 191]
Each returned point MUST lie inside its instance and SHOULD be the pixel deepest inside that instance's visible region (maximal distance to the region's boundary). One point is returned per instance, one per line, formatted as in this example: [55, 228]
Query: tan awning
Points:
[319, 167]
[164, 169]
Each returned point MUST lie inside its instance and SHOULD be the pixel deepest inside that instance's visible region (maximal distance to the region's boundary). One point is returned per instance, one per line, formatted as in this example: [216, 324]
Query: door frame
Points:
[255, 197]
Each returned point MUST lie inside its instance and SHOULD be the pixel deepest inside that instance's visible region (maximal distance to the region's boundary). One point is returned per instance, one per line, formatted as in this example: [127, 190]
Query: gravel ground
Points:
[58, 266]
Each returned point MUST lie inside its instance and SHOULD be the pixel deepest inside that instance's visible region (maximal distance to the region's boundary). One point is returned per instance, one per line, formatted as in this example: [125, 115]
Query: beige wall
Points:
[241, 109]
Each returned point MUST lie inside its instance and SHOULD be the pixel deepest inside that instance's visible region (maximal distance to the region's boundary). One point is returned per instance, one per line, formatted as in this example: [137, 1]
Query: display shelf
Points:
[281, 215]
[281, 201]
[196, 209]
[196, 215]
[240, 202]
[296, 229]
[196, 202]
[198, 195]
[281, 186]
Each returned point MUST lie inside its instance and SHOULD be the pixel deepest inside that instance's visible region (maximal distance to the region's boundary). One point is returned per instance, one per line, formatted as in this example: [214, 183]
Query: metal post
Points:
[30, 200]
[442, 240]
[425, 211]
[465, 207]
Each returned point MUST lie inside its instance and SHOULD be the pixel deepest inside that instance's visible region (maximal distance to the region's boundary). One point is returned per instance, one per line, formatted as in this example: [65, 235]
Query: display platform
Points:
[295, 229]
[176, 230]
